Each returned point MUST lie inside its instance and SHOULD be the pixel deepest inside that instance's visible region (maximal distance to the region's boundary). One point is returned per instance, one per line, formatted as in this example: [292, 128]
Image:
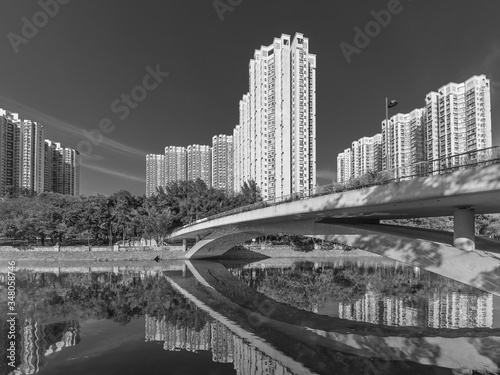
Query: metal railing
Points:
[444, 165]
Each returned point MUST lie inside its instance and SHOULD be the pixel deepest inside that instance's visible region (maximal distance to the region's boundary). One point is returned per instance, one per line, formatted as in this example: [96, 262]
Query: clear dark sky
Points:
[69, 73]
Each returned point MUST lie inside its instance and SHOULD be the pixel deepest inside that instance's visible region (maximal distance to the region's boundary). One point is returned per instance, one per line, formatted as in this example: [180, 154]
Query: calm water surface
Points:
[348, 316]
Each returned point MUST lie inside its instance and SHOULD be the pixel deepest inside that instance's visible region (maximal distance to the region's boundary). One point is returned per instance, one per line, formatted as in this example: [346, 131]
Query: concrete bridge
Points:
[352, 218]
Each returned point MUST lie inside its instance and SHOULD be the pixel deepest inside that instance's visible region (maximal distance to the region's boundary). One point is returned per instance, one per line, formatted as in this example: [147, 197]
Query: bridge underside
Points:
[428, 249]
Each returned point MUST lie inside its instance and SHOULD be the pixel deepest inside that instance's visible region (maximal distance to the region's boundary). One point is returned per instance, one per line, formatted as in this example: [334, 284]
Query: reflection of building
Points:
[40, 341]
[373, 309]
[226, 347]
[177, 337]
[457, 310]
[443, 310]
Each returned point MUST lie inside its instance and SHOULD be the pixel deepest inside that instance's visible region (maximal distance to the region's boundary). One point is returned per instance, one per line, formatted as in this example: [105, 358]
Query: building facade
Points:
[403, 143]
[10, 151]
[344, 165]
[30, 162]
[458, 118]
[222, 162]
[275, 140]
[33, 156]
[155, 173]
[199, 163]
[366, 155]
[61, 169]
[175, 164]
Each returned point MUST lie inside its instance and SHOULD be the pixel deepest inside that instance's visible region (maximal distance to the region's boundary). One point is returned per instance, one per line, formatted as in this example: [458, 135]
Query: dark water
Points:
[349, 316]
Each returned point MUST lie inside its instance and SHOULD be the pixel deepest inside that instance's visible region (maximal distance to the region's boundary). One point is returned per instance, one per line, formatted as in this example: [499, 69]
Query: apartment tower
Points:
[199, 163]
[275, 140]
[33, 156]
[175, 164]
[155, 173]
[10, 151]
[458, 118]
[222, 162]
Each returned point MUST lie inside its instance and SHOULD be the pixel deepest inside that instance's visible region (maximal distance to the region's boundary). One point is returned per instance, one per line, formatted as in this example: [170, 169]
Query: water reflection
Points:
[379, 292]
[294, 318]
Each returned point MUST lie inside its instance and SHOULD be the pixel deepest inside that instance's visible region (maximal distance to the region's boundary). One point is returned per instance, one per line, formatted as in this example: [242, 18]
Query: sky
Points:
[67, 65]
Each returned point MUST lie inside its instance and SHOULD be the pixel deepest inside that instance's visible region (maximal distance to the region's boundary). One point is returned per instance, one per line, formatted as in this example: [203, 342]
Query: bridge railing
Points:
[444, 165]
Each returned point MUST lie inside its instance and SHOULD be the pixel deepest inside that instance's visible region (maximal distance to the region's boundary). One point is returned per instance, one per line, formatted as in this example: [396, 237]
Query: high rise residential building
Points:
[33, 155]
[399, 150]
[458, 118]
[71, 174]
[175, 164]
[30, 162]
[275, 140]
[155, 173]
[53, 167]
[344, 165]
[366, 155]
[222, 162]
[199, 163]
[61, 169]
[10, 151]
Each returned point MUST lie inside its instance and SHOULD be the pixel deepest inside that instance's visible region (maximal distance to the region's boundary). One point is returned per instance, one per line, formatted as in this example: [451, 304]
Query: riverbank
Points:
[164, 254]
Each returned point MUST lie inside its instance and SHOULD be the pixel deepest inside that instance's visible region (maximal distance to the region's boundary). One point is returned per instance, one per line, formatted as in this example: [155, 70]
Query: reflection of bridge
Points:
[302, 341]
[352, 218]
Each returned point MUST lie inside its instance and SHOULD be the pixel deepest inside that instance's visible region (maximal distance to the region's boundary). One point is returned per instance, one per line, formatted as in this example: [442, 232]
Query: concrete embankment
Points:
[36, 256]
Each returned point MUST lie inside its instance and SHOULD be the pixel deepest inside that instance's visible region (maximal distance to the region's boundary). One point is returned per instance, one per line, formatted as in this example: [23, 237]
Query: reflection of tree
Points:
[120, 298]
[305, 287]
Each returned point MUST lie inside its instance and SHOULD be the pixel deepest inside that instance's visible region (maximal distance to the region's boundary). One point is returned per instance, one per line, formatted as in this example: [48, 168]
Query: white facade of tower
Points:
[344, 165]
[10, 150]
[199, 163]
[155, 173]
[175, 164]
[459, 118]
[33, 155]
[366, 155]
[222, 162]
[61, 169]
[401, 150]
[275, 141]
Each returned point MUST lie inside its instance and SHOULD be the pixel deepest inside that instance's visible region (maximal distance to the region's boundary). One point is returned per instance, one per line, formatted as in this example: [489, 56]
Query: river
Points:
[277, 316]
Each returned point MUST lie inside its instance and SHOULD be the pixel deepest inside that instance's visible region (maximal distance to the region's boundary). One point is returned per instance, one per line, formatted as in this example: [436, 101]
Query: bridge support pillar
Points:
[198, 238]
[464, 228]
[184, 245]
